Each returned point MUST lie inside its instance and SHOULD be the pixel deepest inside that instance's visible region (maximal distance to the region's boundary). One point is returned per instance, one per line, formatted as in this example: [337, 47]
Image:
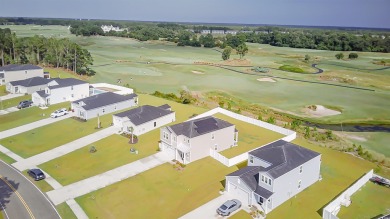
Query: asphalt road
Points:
[21, 199]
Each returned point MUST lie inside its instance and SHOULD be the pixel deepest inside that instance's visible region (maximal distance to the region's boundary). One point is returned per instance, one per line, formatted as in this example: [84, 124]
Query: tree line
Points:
[39, 50]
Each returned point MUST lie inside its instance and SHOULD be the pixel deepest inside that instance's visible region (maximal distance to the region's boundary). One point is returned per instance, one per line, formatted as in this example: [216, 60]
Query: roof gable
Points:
[199, 126]
[16, 67]
[103, 99]
[144, 114]
[31, 82]
[66, 82]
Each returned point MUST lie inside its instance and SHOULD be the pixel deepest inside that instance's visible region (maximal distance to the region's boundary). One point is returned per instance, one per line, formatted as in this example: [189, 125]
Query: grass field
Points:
[241, 215]
[65, 211]
[2, 90]
[373, 141]
[249, 137]
[170, 193]
[365, 203]
[127, 59]
[28, 115]
[6, 159]
[112, 152]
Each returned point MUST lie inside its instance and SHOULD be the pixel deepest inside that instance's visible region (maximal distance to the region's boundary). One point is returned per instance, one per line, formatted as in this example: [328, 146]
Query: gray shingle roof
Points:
[66, 82]
[144, 114]
[31, 82]
[103, 99]
[42, 93]
[283, 156]
[15, 67]
[199, 126]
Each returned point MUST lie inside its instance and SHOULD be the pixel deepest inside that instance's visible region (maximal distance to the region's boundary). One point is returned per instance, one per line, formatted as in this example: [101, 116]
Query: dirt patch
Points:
[266, 80]
[320, 111]
[238, 62]
[198, 72]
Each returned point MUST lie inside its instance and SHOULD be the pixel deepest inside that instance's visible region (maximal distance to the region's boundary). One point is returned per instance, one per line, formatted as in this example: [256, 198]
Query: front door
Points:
[48, 101]
[16, 90]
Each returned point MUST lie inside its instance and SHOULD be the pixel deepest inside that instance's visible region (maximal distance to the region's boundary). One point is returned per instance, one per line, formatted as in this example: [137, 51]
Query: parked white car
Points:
[58, 113]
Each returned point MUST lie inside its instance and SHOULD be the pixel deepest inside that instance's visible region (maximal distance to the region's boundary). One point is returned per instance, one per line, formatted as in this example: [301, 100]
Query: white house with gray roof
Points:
[15, 72]
[101, 104]
[192, 140]
[275, 173]
[144, 119]
[61, 90]
[27, 86]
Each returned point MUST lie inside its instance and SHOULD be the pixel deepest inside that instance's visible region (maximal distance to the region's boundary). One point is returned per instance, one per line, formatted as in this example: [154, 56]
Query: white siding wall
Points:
[37, 100]
[21, 75]
[89, 114]
[149, 126]
[200, 146]
[286, 186]
[257, 162]
[63, 94]
[24, 90]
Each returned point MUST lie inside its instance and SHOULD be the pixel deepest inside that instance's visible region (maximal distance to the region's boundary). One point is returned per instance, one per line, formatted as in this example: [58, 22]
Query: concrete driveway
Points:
[9, 110]
[10, 96]
[208, 210]
[21, 198]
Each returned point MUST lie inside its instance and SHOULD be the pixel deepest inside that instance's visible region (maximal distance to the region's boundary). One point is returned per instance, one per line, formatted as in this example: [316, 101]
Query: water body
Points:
[351, 127]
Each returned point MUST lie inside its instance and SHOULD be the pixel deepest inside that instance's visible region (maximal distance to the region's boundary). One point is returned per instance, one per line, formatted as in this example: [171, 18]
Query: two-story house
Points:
[192, 140]
[275, 173]
[144, 119]
[61, 90]
[27, 86]
[14, 72]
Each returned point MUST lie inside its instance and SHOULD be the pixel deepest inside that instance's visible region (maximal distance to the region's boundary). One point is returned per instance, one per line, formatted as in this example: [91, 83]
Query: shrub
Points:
[291, 69]
[353, 55]
[339, 55]
[92, 149]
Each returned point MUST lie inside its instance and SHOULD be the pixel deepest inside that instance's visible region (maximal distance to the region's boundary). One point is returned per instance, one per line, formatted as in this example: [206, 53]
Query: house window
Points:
[262, 178]
[300, 169]
[71, 87]
[212, 136]
[104, 110]
[155, 124]
[269, 182]
[238, 181]
[261, 200]
[299, 184]
[251, 159]
[215, 147]
[266, 180]
[25, 72]
[188, 141]
[72, 95]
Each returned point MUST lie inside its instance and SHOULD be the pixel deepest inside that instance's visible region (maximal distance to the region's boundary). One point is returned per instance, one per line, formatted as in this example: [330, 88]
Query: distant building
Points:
[232, 32]
[16, 72]
[205, 31]
[107, 28]
[218, 32]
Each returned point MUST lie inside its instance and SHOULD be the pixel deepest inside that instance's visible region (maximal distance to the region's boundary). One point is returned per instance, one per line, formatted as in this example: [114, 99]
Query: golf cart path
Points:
[33, 125]
[110, 177]
[64, 149]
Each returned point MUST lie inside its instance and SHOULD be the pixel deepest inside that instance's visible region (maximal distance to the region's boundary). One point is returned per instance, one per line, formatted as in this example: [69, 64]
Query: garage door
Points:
[170, 151]
[239, 193]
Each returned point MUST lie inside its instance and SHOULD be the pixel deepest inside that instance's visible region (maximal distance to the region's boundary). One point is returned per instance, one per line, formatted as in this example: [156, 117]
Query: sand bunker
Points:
[266, 79]
[198, 72]
[321, 111]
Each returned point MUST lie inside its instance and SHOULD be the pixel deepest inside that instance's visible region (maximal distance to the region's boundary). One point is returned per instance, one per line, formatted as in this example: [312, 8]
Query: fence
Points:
[119, 89]
[331, 210]
[289, 135]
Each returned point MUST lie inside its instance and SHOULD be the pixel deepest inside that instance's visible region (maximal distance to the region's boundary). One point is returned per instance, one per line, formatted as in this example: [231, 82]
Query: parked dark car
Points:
[228, 207]
[380, 181]
[36, 174]
[24, 104]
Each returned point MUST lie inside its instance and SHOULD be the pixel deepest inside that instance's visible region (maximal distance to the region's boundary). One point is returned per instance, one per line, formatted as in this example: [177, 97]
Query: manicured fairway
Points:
[112, 152]
[170, 193]
[249, 137]
[369, 202]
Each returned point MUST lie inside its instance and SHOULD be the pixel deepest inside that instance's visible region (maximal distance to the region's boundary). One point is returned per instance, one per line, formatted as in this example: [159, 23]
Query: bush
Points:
[353, 55]
[92, 149]
[291, 69]
[339, 55]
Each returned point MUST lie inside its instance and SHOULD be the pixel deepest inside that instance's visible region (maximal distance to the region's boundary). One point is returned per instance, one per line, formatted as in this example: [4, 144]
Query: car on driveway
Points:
[24, 104]
[58, 113]
[36, 174]
[380, 181]
[228, 207]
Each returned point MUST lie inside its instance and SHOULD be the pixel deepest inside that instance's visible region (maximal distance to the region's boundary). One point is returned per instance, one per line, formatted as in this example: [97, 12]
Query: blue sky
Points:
[355, 13]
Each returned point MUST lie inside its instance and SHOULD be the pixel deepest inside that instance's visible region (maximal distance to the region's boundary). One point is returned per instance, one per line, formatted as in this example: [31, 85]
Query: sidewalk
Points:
[105, 179]
[64, 149]
[33, 125]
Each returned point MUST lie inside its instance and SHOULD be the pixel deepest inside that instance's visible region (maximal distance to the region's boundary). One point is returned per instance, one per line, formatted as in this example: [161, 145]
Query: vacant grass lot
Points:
[169, 193]
[241, 215]
[53, 135]
[112, 152]
[249, 137]
[366, 204]
[338, 170]
[28, 115]
[2, 90]
[13, 101]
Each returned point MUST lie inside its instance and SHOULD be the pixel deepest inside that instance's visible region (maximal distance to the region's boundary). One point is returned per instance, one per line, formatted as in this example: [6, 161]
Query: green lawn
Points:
[374, 141]
[249, 137]
[6, 159]
[169, 193]
[241, 215]
[28, 115]
[41, 184]
[369, 202]
[112, 152]
[53, 135]
[65, 211]
[13, 101]
[2, 90]
[338, 170]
